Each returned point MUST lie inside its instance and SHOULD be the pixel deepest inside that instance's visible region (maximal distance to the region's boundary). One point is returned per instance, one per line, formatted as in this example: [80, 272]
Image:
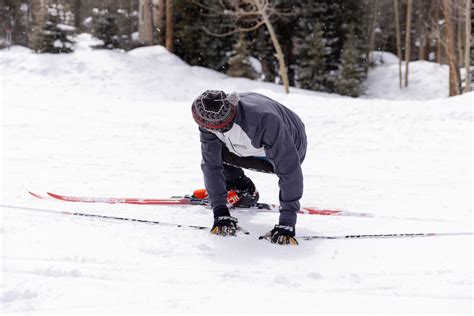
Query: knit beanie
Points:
[215, 110]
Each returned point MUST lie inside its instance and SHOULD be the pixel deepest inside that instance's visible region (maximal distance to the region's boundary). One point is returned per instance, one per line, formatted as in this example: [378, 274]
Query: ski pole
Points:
[391, 235]
[114, 218]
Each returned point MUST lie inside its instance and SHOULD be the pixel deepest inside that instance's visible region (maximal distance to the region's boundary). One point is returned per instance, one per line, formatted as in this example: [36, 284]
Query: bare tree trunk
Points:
[276, 44]
[38, 20]
[438, 31]
[408, 40]
[152, 23]
[423, 35]
[421, 47]
[459, 29]
[428, 47]
[399, 48]
[145, 25]
[374, 5]
[429, 27]
[130, 24]
[169, 25]
[159, 22]
[28, 23]
[254, 14]
[454, 80]
[77, 14]
[467, 51]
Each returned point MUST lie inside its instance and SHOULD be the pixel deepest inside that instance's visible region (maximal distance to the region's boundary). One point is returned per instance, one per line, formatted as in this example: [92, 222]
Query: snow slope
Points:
[119, 124]
[427, 80]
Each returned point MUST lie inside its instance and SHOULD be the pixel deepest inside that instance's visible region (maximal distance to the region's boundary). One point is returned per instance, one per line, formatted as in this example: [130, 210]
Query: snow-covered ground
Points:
[427, 80]
[118, 124]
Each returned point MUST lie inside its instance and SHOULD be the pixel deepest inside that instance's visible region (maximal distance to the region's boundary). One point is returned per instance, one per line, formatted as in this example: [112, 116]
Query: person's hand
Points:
[224, 226]
[282, 235]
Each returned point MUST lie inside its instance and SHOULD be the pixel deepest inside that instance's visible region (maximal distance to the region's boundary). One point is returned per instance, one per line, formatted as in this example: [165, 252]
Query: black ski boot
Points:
[246, 192]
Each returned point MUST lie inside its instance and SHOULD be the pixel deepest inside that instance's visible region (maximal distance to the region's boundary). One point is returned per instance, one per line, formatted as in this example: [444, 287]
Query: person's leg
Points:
[232, 174]
[237, 181]
[251, 163]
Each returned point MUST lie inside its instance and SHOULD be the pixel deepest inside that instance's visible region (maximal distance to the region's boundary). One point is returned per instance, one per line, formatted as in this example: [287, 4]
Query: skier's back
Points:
[251, 131]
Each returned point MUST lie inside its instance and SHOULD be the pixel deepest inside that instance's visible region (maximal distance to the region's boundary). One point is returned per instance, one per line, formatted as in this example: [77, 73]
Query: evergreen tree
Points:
[192, 44]
[286, 28]
[262, 49]
[312, 33]
[317, 44]
[54, 30]
[352, 73]
[112, 28]
[105, 28]
[239, 62]
[319, 40]
[355, 20]
[13, 21]
[311, 70]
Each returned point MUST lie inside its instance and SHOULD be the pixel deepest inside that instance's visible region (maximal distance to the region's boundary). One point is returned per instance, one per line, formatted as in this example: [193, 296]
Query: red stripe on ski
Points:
[316, 211]
[336, 212]
[83, 199]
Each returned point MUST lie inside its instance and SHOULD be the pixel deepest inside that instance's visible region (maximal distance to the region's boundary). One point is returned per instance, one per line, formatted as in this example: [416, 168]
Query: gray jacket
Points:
[266, 129]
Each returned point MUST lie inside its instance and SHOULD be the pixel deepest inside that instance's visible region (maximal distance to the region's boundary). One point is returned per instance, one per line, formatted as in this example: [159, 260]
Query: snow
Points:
[109, 123]
[65, 27]
[381, 57]
[427, 80]
[57, 43]
[256, 64]
[87, 21]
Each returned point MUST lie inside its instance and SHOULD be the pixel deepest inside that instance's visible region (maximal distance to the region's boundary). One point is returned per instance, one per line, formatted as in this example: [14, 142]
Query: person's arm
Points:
[211, 165]
[281, 150]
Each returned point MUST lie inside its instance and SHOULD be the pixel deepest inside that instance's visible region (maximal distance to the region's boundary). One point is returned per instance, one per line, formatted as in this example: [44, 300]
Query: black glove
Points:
[224, 224]
[282, 235]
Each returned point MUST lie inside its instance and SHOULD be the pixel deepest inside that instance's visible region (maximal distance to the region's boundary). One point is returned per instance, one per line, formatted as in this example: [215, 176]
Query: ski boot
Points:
[242, 192]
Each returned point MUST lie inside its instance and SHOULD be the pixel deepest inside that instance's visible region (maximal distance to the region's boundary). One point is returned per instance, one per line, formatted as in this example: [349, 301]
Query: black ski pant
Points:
[233, 165]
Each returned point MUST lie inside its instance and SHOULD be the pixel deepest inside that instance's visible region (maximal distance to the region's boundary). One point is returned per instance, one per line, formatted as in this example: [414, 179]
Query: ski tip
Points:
[64, 198]
[37, 195]
[56, 196]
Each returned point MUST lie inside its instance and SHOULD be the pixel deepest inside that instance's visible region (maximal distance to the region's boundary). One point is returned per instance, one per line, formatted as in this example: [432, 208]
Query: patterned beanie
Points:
[214, 110]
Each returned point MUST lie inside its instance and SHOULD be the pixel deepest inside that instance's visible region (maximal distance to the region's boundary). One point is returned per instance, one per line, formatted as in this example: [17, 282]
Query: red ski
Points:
[82, 199]
[178, 201]
[199, 197]
[38, 196]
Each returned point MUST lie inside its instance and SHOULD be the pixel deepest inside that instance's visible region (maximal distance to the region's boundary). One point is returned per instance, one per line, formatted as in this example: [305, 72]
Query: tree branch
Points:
[234, 31]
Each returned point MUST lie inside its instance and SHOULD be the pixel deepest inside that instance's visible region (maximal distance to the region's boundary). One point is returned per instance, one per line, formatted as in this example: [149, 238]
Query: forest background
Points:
[321, 45]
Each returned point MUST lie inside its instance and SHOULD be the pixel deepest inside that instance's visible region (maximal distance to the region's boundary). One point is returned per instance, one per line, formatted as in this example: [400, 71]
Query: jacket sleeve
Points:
[281, 150]
[211, 165]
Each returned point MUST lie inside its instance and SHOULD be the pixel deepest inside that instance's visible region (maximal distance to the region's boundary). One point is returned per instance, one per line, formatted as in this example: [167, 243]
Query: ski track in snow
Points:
[118, 124]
